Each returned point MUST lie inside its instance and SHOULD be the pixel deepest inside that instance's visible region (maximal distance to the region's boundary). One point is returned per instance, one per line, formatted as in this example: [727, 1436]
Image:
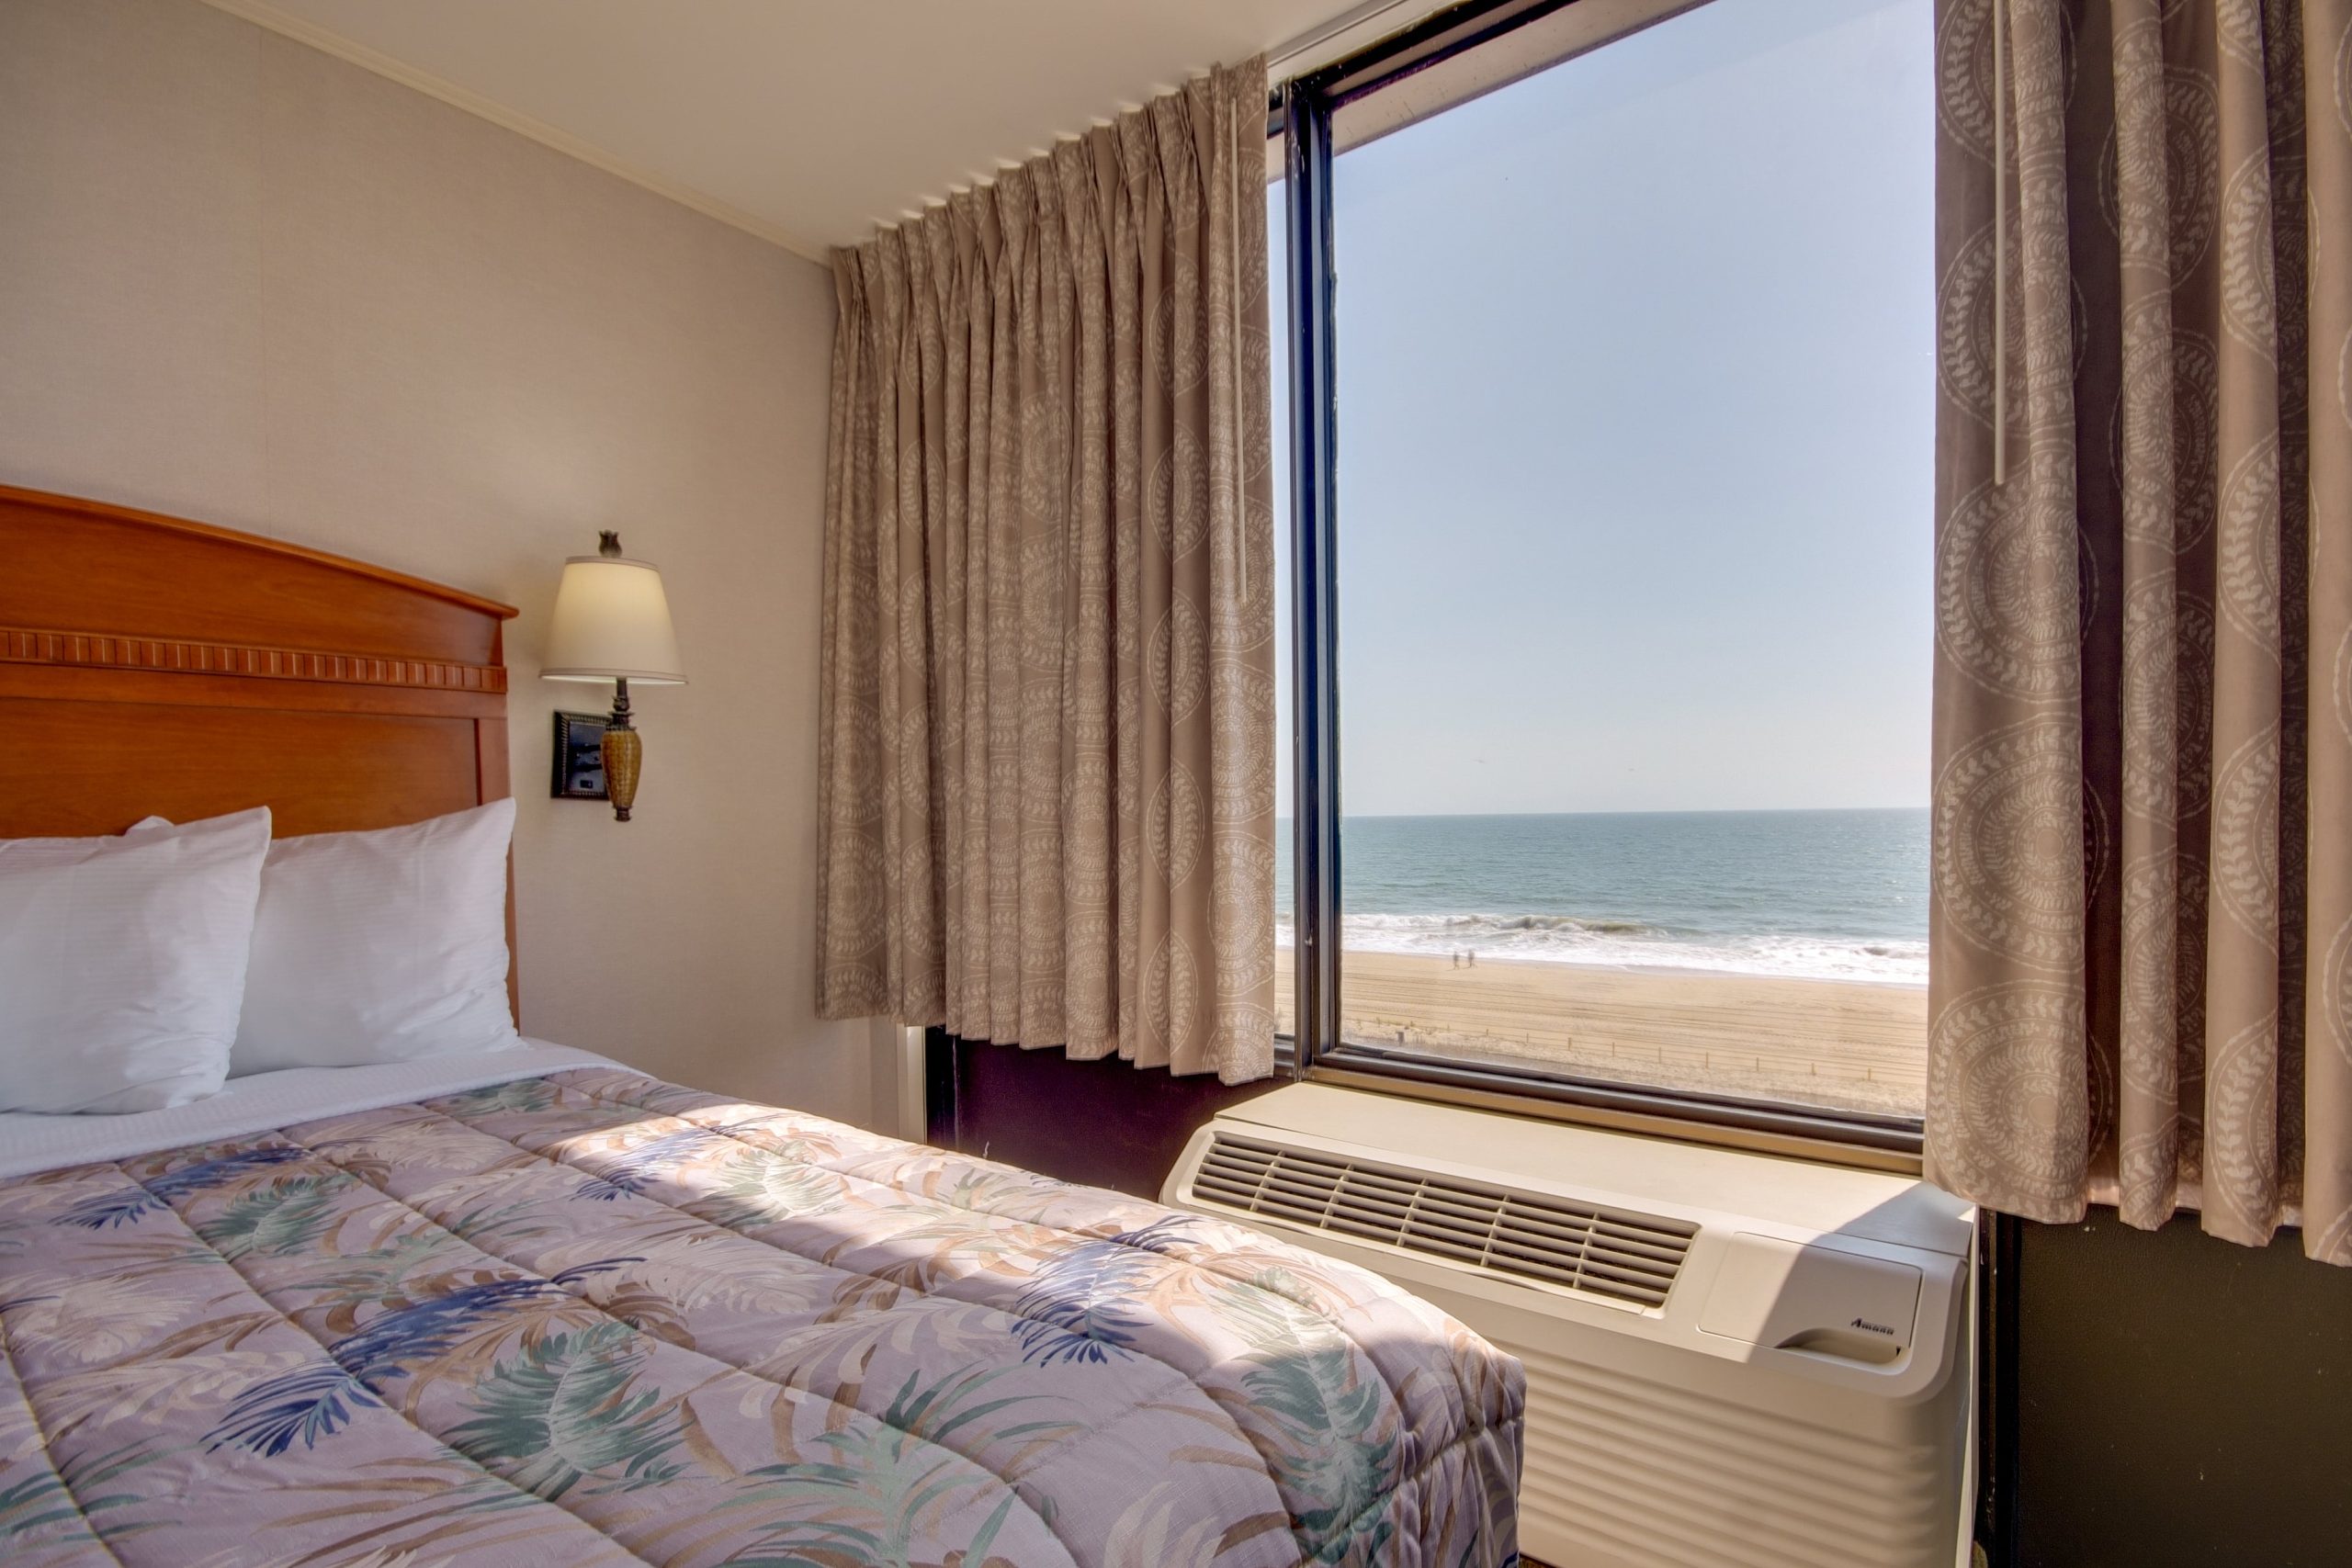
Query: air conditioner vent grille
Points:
[1615, 1253]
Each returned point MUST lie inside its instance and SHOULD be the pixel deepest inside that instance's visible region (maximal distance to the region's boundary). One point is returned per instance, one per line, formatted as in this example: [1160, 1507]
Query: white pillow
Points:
[380, 946]
[122, 963]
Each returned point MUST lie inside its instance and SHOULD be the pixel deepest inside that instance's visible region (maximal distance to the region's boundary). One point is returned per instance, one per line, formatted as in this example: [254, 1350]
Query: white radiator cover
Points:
[1771, 1368]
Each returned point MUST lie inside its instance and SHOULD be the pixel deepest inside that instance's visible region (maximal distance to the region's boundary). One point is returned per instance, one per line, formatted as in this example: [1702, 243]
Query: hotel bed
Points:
[531, 1306]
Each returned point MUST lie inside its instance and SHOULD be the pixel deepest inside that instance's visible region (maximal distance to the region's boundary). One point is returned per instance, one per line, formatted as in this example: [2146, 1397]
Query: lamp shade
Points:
[611, 621]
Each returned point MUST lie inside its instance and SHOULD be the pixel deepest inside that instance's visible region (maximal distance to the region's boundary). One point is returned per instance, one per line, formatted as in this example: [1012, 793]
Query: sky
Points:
[1636, 428]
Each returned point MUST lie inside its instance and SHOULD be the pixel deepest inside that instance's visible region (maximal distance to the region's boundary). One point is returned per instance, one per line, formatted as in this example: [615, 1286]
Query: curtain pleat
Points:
[2141, 922]
[2327, 692]
[1047, 728]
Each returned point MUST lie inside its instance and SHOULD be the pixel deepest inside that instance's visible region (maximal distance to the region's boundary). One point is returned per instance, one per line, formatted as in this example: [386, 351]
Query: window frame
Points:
[1301, 115]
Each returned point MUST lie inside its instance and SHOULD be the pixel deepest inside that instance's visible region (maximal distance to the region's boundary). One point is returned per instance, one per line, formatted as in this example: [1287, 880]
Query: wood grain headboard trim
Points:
[156, 524]
[20, 645]
[153, 665]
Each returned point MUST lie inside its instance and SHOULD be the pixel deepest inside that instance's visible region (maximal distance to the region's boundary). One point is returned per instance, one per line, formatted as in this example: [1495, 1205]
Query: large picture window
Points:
[1610, 429]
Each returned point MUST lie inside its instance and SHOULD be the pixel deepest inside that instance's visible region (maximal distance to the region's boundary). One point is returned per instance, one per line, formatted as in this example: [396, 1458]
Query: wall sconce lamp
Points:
[612, 622]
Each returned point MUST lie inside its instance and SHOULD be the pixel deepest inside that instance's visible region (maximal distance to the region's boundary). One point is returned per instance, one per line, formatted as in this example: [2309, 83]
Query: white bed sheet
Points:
[30, 1141]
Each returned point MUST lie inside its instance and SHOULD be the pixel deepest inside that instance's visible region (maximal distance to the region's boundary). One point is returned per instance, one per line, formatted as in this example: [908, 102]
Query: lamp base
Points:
[623, 754]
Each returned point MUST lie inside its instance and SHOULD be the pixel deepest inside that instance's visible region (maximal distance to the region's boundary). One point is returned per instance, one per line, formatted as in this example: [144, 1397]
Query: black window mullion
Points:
[1314, 404]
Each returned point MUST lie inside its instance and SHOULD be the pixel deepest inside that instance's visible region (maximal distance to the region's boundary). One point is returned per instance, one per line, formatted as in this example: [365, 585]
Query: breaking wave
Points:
[1633, 945]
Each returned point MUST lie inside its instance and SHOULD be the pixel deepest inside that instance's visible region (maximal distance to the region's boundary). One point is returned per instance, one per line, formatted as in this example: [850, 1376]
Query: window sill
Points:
[1875, 1143]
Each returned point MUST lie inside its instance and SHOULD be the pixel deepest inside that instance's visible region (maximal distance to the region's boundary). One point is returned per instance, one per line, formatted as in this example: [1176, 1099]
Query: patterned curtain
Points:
[2141, 986]
[1048, 715]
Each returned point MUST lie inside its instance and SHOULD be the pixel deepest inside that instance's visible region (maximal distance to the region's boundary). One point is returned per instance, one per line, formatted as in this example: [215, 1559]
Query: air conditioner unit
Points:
[1733, 1360]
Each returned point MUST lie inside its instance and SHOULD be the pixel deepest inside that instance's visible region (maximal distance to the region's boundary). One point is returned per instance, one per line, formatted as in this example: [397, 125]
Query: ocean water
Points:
[1820, 895]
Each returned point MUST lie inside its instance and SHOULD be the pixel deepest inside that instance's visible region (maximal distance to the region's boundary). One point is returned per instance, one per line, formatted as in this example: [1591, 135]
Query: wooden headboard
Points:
[152, 665]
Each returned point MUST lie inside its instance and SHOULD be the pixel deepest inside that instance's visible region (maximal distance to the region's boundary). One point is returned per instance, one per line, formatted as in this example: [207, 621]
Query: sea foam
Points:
[1633, 944]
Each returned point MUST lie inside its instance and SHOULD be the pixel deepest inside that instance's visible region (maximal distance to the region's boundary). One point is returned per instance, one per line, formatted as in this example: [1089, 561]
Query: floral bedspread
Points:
[591, 1318]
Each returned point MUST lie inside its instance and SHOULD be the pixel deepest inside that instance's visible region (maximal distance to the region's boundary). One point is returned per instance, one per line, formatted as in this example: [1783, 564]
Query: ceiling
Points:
[803, 120]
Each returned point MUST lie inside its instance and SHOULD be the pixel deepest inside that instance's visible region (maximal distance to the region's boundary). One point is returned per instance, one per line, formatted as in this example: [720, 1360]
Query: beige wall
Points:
[244, 282]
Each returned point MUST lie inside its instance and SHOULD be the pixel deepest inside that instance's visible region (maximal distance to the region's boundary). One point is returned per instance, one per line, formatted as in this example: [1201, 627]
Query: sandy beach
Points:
[1855, 1046]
